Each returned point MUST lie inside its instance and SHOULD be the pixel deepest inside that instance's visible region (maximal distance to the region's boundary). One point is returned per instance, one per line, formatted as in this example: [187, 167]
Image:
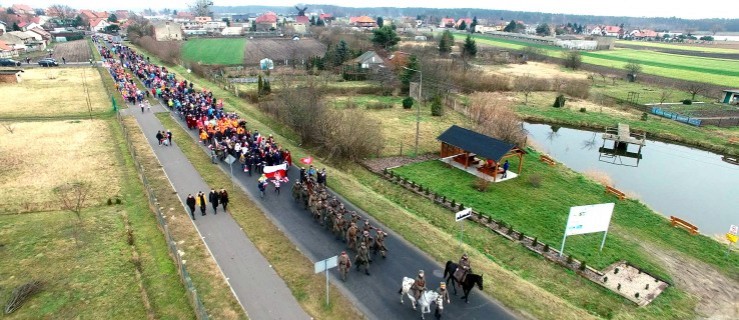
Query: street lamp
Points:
[418, 110]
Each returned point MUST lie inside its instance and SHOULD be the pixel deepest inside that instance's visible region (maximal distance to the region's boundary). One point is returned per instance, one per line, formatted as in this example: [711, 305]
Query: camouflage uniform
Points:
[419, 286]
[363, 259]
[351, 236]
[345, 264]
[296, 191]
[338, 226]
[379, 244]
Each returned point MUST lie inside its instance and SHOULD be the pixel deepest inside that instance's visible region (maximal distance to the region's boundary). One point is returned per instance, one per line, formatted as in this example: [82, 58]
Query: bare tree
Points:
[492, 116]
[73, 195]
[201, 8]
[62, 11]
[716, 28]
[525, 85]
[695, 88]
[10, 127]
[665, 95]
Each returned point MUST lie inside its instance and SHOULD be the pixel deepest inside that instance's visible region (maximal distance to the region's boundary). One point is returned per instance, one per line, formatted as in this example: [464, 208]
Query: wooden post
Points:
[466, 159]
[520, 162]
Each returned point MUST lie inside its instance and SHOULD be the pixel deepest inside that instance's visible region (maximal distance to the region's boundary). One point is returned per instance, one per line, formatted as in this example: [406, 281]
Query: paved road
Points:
[376, 295]
[261, 292]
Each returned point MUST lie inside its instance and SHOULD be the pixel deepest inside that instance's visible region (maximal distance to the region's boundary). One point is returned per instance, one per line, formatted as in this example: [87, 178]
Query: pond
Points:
[694, 185]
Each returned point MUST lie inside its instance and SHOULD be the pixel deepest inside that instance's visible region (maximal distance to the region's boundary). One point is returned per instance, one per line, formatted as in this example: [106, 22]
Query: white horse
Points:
[428, 297]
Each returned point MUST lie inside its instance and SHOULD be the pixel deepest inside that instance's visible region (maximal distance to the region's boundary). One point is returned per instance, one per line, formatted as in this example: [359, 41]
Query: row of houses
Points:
[13, 43]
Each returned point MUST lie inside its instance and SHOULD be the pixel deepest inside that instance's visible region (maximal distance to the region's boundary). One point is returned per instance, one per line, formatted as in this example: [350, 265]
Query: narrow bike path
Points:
[376, 295]
[257, 287]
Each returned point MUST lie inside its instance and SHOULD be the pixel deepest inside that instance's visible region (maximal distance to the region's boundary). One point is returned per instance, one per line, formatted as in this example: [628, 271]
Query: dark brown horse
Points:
[469, 281]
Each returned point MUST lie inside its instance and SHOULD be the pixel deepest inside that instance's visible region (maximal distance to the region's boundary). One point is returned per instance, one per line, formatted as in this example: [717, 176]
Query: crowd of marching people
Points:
[346, 225]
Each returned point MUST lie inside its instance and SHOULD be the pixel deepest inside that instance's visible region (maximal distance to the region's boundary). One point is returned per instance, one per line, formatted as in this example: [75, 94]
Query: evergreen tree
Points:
[313, 20]
[320, 23]
[385, 37]
[511, 27]
[112, 18]
[342, 53]
[543, 30]
[446, 42]
[463, 25]
[409, 72]
[260, 85]
[380, 22]
[473, 25]
[469, 48]
[15, 26]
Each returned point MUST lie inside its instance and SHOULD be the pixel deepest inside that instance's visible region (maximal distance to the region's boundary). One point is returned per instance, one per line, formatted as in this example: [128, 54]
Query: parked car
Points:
[48, 62]
[5, 62]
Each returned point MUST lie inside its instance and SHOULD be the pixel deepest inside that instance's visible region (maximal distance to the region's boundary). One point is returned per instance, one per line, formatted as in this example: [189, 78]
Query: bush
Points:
[636, 295]
[615, 271]
[481, 184]
[461, 206]
[687, 101]
[559, 102]
[407, 103]
[510, 230]
[436, 108]
[577, 88]
[644, 116]
[110, 201]
[605, 279]
[454, 204]
[535, 180]
[379, 106]
[583, 110]
[582, 266]
[569, 259]
[117, 200]
[572, 60]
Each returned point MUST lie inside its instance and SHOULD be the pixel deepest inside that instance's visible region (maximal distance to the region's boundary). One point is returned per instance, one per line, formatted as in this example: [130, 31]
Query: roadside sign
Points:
[326, 264]
[464, 214]
[230, 159]
[733, 230]
[731, 237]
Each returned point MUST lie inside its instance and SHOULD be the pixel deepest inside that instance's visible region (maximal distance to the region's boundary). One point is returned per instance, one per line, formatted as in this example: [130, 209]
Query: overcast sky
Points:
[635, 8]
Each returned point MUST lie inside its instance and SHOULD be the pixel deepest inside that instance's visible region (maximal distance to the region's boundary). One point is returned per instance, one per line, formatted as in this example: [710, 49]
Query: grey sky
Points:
[635, 8]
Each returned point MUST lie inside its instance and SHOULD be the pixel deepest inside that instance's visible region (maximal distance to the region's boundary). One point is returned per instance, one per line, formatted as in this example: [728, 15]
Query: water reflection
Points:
[673, 180]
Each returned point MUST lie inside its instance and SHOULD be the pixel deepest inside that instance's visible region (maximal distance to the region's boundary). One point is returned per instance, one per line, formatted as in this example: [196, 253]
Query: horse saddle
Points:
[458, 274]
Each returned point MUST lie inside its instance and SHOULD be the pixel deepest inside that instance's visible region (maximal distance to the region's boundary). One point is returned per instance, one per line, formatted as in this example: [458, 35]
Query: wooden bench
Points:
[546, 159]
[615, 192]
[677, 222]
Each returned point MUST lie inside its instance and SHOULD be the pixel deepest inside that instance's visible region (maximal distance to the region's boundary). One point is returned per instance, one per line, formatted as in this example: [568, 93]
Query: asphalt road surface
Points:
[376, 295]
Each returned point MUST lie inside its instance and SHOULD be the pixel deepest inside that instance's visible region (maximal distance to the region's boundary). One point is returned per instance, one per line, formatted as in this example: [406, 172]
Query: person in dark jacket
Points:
[224, 199]
[213, 197]
[160, 137]
[191, 204]
[201, 201]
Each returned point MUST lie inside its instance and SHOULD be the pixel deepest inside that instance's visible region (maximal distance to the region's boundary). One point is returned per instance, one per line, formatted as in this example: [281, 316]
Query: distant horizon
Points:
[708, 9]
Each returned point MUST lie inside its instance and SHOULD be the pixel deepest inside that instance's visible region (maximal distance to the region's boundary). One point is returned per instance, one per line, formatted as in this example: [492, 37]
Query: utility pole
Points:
[418, 109]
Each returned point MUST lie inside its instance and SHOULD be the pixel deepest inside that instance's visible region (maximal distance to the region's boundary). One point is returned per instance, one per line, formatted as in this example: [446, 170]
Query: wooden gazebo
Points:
[467, 146]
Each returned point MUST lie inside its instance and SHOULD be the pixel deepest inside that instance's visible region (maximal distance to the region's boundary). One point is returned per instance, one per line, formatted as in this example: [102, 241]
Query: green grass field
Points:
[661, 45]
[225, 51]
[709, 70]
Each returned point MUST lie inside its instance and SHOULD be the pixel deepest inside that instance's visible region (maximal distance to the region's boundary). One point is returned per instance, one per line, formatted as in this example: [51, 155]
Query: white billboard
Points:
[464, 214]
[588, 219]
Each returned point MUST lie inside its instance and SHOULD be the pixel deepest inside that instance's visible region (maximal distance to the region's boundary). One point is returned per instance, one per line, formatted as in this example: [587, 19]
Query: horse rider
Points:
[463, 268]
[362, 258]
[345, 264]
[380, 243]
[419, 285]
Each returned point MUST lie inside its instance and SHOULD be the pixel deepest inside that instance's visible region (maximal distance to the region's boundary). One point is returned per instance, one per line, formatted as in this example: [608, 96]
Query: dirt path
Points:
[718, 295]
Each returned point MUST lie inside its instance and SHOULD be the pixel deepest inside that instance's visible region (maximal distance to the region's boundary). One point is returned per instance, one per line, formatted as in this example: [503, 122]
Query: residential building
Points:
[467, 22]
[447, 23]
[215, 26]
[266, 21]
[167, 31]
[23, 9]
[13, 41]
[98, 24]
[3, 28]
[369, 60]
[232, 31]
[32, 40]
[7, 51]
[203, 20]
[363, 22]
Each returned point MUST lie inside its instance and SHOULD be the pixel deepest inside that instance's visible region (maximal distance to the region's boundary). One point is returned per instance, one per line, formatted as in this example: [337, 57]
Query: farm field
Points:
[73, 51]
[675, 46]
[709, 72]
[84, 260]
[54, 92]
[39, 156]
[225, 51]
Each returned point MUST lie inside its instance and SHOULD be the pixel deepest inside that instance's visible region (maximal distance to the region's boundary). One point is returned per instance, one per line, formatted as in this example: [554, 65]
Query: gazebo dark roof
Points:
[468, 140]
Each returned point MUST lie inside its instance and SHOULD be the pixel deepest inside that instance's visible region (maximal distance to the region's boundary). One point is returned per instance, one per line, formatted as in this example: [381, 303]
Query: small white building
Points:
[232, 31]
[167, 31]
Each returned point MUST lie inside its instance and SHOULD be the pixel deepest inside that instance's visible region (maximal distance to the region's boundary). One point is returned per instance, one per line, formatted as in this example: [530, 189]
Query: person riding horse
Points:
[463, 268]
[419, 285]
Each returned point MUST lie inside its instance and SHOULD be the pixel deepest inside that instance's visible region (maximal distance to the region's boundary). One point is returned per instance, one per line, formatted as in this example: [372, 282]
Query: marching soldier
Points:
[419, 286]
[338, 228]
[367, 227]
[296, 191]
[351, 236]
[365, 239]
[304, 195]
[363, 259]
[380, 243]
[345, 264]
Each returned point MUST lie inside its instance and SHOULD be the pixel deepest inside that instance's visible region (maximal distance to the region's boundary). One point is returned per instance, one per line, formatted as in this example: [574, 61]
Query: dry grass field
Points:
[39, 156]
[73, 51]
[52, 92]
[537, 70]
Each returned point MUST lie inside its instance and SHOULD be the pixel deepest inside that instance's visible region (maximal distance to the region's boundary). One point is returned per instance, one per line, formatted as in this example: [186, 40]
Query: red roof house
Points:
[363, 22]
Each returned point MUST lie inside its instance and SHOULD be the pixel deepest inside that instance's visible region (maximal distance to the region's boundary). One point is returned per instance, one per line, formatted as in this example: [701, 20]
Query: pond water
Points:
[688, 183]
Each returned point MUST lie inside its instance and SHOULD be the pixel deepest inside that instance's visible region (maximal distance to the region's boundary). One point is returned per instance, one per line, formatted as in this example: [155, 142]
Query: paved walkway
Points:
[257, 287]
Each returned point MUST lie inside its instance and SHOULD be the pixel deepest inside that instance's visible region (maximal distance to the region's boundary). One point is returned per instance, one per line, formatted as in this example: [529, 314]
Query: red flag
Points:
[276, 172]
[306, 160]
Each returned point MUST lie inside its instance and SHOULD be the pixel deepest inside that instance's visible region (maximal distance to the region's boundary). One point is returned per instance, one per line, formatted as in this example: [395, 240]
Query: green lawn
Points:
[647, 93]
[661, 45]
[709, 70]
[542, 212]
[222, 51]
